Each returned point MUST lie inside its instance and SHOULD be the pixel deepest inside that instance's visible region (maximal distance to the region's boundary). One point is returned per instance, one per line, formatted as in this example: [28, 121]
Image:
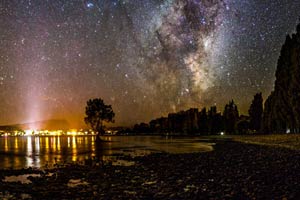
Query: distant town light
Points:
[29, 132]
[34, 132]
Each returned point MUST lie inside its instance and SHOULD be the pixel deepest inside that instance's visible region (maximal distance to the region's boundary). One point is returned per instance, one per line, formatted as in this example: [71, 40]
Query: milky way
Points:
[146, 58]
[186, 44]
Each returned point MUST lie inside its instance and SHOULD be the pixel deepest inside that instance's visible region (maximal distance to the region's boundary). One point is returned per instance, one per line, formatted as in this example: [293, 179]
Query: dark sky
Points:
[145, 57]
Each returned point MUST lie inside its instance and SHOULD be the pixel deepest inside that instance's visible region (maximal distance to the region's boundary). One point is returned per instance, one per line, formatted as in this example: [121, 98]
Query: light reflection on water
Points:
[39, 151]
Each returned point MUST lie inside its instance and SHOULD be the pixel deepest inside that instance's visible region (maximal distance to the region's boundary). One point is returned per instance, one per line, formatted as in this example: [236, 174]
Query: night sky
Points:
[144, 57]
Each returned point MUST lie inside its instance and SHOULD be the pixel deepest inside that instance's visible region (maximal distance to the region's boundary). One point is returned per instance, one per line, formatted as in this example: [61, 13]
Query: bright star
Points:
[90, 5]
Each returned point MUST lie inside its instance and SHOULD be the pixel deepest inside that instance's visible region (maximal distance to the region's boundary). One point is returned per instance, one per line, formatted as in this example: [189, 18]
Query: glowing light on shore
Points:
[72, 132]
[36, 132]
[29, 132]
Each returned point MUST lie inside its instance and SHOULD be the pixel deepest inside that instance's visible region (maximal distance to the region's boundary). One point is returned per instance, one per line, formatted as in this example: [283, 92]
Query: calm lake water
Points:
[41, 151]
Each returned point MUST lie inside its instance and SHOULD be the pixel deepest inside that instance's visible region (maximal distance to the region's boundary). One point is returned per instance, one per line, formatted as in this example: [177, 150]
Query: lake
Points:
[42, 151]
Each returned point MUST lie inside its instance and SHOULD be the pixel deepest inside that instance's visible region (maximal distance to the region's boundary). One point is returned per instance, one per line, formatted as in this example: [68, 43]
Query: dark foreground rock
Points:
[232, 171]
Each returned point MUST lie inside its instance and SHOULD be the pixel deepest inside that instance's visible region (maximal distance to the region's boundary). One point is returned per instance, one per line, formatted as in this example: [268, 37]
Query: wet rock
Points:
[221, 174]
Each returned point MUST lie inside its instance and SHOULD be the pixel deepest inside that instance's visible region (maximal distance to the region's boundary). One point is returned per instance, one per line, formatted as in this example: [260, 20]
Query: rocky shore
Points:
[232, 171]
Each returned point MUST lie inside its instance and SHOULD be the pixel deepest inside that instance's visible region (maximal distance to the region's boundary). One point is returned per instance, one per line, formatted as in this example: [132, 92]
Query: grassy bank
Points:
[291, 141]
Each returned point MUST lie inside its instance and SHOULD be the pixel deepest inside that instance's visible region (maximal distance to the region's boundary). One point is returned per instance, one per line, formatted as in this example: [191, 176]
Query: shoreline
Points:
[233, 170]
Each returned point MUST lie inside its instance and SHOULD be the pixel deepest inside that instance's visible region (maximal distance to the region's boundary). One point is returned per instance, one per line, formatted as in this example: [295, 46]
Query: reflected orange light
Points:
[37, 144]
[47, 144]
[54, 143]
[5, 144]
[69, 142]
[29, 147]
[58, 143]
[16, 143]
[74, 149]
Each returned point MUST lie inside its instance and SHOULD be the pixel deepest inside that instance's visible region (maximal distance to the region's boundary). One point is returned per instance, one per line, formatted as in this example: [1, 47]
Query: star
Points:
[90, 5]
[165, 56]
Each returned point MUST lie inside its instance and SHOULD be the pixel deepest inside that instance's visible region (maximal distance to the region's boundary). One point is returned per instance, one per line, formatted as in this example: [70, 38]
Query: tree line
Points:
[208, 121]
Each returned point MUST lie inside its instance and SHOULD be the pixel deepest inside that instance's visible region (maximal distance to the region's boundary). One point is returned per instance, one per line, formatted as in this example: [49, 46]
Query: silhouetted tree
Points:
[97, 112]
[282, 107]
[215, 121]
[231, 116]
[210, 118]
[141, 128]
[243, 125]
[256, 112]
[203, 121]
[217, 124]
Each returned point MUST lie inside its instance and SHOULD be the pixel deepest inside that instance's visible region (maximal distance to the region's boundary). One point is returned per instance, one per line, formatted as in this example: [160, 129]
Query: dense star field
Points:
[145, 57]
